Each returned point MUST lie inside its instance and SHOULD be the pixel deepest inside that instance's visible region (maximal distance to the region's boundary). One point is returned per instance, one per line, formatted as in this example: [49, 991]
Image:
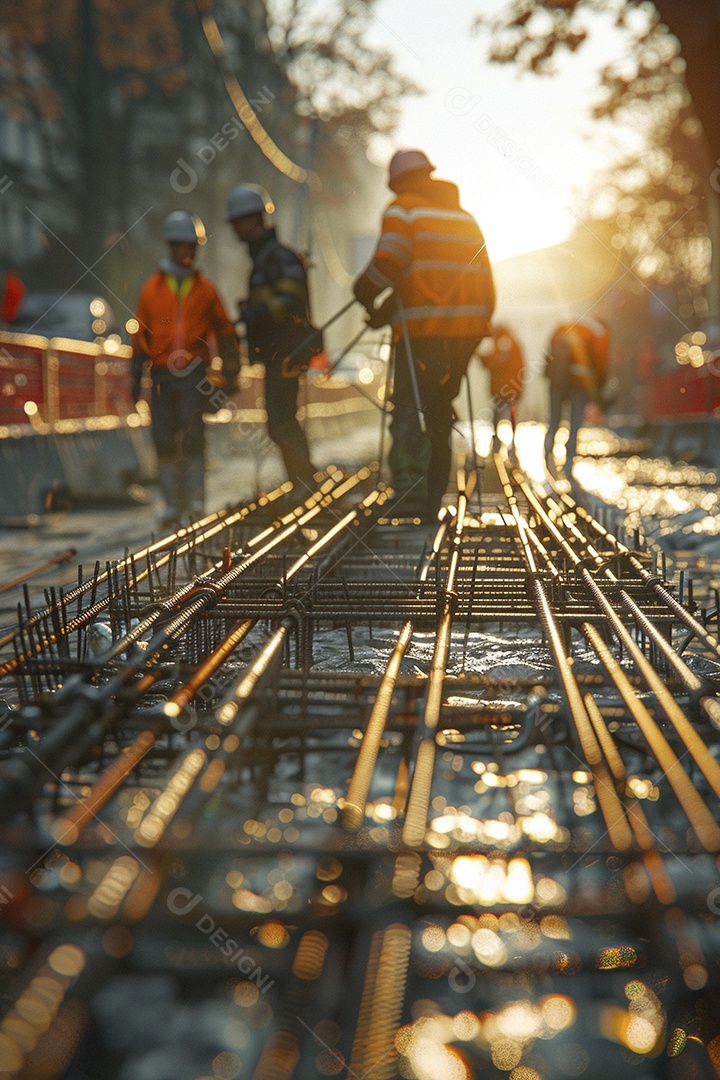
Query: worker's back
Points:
[504, 360]
[577, 356]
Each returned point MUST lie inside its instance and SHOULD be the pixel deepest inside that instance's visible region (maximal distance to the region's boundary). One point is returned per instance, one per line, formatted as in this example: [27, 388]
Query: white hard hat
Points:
[182, 226]
[405, 161]
[247, 199]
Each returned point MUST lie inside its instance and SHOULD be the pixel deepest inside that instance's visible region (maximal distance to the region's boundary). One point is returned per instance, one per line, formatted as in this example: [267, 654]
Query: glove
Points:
[364, 292]
[248, 313]
[382, 315]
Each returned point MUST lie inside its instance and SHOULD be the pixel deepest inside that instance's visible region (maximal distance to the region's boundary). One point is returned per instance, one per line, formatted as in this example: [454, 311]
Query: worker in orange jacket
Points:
[181, 324]
[13, 294]
[431, 254]
[576, 363]
[502, 356]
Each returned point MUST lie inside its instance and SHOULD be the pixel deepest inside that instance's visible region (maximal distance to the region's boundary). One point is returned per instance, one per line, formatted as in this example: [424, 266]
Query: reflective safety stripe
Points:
[389, 247]
[445, 264]
[290, 285]
[436, 258]
[398, 212]
[439, 215]
[260, 294]
[445, 238]
[592, 324]
[395, 238]
[376, 277]
[180, 288]
[463, 311]
[450, 242]
[394, 262]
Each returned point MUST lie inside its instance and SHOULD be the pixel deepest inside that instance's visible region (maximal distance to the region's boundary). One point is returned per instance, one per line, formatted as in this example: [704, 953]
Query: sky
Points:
[520, 147]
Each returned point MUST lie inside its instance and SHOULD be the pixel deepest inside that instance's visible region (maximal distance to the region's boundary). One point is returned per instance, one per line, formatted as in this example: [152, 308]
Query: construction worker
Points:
[277, 319]
[576, 363]
[502, 356]
[13, 294]
[181, 322]
[432, 254]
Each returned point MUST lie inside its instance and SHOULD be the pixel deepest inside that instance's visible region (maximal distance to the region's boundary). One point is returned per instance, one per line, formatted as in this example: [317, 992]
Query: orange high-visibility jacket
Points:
[432, 252]
[586, 343]
[180, 321]
[12, 297]
[504, 361]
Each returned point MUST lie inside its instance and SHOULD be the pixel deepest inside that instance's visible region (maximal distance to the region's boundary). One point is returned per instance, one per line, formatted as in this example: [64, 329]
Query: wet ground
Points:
[105, 533]
[178, 1004]
[674, 507]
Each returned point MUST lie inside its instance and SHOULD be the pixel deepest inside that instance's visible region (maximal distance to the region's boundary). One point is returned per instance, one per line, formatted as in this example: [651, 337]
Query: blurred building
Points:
[107, 124]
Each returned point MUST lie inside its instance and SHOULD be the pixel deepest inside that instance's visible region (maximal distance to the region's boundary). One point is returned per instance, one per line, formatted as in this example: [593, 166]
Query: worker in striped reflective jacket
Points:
[576, 364]
[432, 255]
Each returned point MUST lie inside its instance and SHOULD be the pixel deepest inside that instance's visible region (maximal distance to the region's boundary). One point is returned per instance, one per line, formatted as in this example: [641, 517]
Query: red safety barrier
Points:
[22, 364]
[687, 391]
[112, 384]
[62, 379]
[71, 382]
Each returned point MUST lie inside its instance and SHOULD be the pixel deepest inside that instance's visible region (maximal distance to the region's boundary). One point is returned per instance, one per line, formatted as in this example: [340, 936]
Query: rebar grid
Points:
[466, 750]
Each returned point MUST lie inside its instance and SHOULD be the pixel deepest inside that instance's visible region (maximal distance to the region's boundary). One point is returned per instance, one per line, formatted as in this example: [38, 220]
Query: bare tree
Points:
[335, 74]
[670, 63]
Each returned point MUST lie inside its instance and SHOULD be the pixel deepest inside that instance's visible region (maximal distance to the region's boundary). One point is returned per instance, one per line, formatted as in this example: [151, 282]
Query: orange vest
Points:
[504, 361]
[587, 342]
[433, 253]
[12, 297]
[178, 318]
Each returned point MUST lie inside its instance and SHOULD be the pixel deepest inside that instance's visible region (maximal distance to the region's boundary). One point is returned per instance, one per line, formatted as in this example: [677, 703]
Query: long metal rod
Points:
[67, 829]
[339, 359]
[294, 520]
[232, 713]
[217, 523]
[60, 744]
[353, 812]
[644, 837]
[699, 751]
[56, 560]
[687, 794]
[709, 640]
[314, 334]
[419, 799]
[709, 704]
[707, 831]
[610, 805]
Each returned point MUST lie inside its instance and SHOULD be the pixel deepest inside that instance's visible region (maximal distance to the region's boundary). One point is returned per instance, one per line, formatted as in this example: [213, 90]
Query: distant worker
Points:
[502, 356]
[432, 254]
[576, 364]
[13, 294]
[277, 319]
[182, 321]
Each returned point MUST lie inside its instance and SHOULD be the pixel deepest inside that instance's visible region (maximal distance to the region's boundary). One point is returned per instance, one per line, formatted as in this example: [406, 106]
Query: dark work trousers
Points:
[560, 393]
[420, 463]
[284, 429]
[178, 433]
